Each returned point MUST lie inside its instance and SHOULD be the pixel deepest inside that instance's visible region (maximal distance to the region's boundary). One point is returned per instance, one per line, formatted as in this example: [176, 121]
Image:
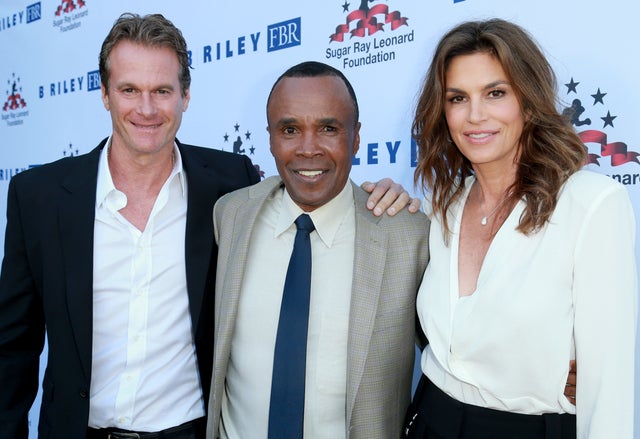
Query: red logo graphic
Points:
[15, 100]
[616, 150]
[576, 113]
[366, 21]
[69, 5]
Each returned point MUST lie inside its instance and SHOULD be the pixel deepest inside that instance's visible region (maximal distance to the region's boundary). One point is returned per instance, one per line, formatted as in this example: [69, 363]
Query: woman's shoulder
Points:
[591, 183]
[589, 188]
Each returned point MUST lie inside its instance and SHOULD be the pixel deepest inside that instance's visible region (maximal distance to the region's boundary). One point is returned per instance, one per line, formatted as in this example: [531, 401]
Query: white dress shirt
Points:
[569, 289]
[144, 375]
[245, 403]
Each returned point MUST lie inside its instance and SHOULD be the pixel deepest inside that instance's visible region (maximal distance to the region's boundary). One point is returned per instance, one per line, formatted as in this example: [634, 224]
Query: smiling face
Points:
[483, 113]
[314, 134]
[144, 98]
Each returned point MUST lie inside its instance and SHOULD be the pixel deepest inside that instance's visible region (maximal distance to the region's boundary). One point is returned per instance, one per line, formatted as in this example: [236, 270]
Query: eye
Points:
[455, 99]
[496, 93]
[329, 129]
[289, 130]
[163, 92]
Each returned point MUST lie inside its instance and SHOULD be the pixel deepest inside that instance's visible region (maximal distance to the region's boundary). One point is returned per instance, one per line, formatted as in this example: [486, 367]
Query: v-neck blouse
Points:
[567, 291]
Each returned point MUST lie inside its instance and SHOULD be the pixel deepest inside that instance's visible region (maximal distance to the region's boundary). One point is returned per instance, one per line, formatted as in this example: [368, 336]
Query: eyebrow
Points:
[486, 87]
[127, 84]
[321, 121]
[329, 121]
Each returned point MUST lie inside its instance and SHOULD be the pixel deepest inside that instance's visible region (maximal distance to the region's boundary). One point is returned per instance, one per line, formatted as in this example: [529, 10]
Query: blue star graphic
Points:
[247, 135]
[598, 97]
[345, 7]
[237, 127]
[571, 86]
[608, 120]
[226, 137]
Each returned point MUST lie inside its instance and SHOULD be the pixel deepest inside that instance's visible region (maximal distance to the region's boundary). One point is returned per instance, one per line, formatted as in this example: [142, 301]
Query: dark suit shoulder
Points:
[228, 167]
[45, 178]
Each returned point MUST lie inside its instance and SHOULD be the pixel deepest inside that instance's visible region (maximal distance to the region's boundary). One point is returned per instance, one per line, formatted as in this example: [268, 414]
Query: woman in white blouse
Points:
[532, 258]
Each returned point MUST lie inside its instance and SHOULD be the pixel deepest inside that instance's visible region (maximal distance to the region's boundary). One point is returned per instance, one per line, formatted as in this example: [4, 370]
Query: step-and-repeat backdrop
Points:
[50, 85]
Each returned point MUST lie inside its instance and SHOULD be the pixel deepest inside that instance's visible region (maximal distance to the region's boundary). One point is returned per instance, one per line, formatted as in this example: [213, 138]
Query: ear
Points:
[186, 99]
[105, 97]
[356, 138]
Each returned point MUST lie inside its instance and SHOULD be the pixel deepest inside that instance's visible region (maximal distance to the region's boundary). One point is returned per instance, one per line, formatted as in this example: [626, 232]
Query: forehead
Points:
[127, 53]
[475, 67]
[308, 95]
[129, 61]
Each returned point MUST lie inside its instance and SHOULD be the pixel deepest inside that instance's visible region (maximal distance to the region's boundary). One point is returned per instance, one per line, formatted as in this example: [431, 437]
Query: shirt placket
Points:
[141, 268]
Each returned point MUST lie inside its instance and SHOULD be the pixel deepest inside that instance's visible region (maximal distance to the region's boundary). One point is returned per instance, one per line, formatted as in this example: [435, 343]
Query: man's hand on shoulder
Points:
[386, 195]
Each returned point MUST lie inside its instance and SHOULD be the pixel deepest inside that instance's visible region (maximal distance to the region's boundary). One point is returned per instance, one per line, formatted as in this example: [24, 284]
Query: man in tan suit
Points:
[364, 278]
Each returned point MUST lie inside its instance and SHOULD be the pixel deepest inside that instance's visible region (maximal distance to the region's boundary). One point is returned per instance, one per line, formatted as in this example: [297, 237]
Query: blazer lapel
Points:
[199, 247]
[76, 213]
[230, 274]
[235, 265]
[368, 269]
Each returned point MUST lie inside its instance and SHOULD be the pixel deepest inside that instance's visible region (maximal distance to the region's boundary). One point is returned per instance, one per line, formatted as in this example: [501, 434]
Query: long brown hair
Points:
[550, 149]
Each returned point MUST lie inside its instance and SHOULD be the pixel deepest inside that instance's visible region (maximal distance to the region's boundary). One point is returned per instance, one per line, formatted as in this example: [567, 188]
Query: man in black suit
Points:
[113, 253]
[91, 254]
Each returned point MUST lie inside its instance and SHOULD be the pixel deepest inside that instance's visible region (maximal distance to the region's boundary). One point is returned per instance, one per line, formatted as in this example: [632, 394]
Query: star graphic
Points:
[226, 137]
[237, 127]
[71, 152]
[247, 135]
[252, 150]
[345, 7]
[598, 97]
[608, 120]
[571, 86]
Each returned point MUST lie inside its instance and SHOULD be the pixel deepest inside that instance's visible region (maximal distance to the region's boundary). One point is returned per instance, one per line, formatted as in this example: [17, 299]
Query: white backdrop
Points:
[51, 104]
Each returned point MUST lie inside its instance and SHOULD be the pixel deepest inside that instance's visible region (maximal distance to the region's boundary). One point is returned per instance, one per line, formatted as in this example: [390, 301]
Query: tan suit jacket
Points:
[391, 254]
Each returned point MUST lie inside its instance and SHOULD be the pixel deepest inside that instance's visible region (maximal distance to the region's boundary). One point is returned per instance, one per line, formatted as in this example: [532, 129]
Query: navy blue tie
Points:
[286, 409]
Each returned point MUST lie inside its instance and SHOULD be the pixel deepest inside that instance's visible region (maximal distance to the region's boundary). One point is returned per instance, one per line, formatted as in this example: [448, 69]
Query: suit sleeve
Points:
[21, 326]
[254, 176]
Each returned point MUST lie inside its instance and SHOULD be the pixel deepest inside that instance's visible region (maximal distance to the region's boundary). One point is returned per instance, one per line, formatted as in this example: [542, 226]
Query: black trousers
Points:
[435, 415]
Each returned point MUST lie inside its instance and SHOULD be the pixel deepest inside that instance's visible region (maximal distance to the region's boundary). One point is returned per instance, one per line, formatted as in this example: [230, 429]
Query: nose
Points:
[309, 145]
[476, 110]
[146, 104]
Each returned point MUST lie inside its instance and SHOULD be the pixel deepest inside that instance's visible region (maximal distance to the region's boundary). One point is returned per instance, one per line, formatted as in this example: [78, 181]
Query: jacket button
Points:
[84, 394]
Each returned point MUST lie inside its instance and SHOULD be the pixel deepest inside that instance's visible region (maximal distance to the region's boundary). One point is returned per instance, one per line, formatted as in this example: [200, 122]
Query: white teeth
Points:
[479, 136]
[310, 173]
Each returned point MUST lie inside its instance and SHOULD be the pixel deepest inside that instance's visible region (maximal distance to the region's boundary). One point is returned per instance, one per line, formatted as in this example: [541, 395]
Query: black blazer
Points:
[47, 281]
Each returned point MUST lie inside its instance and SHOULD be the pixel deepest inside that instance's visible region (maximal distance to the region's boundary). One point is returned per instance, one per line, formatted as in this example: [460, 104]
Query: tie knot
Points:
[304, 222]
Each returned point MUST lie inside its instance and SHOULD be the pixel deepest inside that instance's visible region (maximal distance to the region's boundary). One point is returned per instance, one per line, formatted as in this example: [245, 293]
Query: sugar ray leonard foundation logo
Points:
[587, 124]
[374, 33]
[240, 142]
[69, 14]
[14, 107]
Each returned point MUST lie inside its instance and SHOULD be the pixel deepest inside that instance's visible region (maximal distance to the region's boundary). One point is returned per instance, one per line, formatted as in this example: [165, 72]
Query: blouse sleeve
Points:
[605, 306]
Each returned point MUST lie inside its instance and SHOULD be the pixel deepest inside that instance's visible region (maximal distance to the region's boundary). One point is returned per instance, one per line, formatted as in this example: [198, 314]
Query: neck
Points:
[142, 173]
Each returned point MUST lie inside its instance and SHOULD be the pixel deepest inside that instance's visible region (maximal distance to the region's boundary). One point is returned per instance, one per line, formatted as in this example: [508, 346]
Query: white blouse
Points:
[567, 291]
